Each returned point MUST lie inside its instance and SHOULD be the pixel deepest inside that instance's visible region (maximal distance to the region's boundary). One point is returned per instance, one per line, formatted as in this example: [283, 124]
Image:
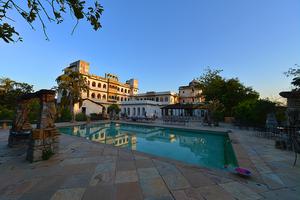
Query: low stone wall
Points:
[43, 143]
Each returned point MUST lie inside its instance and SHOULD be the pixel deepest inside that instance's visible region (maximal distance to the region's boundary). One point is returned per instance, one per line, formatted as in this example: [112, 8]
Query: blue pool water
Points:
[203, 148]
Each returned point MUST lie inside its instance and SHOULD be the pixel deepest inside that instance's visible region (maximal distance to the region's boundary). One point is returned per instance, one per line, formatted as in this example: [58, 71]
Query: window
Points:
[121, 98]
[166, 99]
[161, 99]
[118, 98]
[157, 99]
[94, 84]
[104, 85]
[104, 96]
[98, 96]
[121, 89]
[99, 85]
[83, 110]
[128, 111]
[118, 89]
[128, 91]
[134, 112]
[93, 95]
[138, 111]
[144, 111]
[89, 82]
[125, 90]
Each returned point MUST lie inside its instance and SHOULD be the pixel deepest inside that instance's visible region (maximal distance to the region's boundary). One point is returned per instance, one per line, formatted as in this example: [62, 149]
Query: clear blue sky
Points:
[166, 43]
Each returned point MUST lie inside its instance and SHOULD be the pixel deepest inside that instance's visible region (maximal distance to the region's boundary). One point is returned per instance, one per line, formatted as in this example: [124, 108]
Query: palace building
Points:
[191, 93]
[103, 91]
[107, 90]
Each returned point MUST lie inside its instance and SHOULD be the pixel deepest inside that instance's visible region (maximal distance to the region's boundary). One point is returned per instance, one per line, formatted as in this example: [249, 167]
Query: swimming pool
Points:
[202, 148]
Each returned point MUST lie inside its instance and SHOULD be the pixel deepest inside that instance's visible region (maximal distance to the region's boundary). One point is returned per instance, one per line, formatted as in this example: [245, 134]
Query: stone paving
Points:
[87, 170]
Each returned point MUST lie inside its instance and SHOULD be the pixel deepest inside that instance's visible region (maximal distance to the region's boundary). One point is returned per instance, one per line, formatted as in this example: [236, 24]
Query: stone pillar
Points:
[44, 140]
[21, 127]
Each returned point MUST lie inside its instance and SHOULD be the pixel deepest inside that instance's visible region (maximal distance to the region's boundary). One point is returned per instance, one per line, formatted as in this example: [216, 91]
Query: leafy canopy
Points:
[70, 85]
[41, 11]
[10, 92]
[253, 112]
[229, 92]
[295, 73]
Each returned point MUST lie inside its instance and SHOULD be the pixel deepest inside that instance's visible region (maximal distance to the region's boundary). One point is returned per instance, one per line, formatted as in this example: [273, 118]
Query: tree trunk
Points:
[72, 111]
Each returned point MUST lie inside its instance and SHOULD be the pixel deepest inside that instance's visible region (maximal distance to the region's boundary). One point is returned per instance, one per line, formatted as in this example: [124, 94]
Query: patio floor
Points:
[89, 170]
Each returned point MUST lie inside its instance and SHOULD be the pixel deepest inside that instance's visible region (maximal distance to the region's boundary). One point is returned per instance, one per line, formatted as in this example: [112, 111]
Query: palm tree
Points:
[7, 84]
[70, 85]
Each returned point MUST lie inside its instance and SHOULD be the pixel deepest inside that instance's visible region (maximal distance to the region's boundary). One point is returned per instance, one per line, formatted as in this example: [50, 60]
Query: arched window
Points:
[94, 84]
[118, 89]
[139, 111]
[166, 99]
[128, 91]
[118, 98]
[125, 90]
[161, 99]
[143, 111]
[134, 112]
[121, 89]
[128, 111]
[99, 85]
[121, 98]
[98, 96]
[104, 96]
[93, 95]
[104, 85]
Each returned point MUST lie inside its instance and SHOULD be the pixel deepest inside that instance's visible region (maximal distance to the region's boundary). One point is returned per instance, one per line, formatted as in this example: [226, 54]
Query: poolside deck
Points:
[88, 170]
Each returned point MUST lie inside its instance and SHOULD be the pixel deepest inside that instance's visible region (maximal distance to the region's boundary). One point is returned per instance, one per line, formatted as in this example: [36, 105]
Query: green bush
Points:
[6, 114]
[47, 153]
[95, 116]
[253, 112]
[34, 113]
[80, 117]
[64, 115]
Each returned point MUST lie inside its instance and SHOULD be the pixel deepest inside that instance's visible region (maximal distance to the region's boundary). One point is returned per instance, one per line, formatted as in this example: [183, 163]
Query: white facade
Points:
[88, 107]
[191, 93]
[141, 108]
[164, 98]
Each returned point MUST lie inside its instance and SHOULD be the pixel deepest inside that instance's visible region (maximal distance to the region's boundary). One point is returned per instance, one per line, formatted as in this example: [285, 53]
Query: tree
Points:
[113, 110]
[229, 92]
[12, 91]
[7, 84]
[9, 97]
[253, 112]
[216, 110]
[52, 11]
[295, 73]
[70, 85]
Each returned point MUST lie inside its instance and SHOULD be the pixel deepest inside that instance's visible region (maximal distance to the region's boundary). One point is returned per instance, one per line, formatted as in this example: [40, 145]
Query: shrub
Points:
[34, 107]
[64, 115]
[80, 117]
[253, 112]
[6, 114]
[95, 116]
[46, 154]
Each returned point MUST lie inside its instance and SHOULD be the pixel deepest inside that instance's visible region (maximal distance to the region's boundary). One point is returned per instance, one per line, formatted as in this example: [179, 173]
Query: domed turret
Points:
[194, 82]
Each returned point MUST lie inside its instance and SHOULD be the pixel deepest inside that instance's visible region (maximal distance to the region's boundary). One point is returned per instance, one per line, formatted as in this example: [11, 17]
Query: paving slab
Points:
[71, 193]
[240, 191]
[128, 191]
[126, 176]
